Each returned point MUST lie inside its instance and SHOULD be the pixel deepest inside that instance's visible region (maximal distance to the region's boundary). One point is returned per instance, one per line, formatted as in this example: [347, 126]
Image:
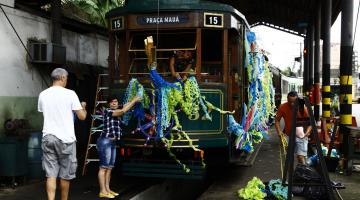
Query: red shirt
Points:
[285, 111]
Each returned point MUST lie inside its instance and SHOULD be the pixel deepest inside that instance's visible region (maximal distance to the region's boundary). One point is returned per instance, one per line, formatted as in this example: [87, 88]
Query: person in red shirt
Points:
[286, 112]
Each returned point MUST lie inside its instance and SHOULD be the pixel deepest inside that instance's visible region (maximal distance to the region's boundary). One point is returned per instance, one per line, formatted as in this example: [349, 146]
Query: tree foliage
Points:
[96, 9]
[288, 72]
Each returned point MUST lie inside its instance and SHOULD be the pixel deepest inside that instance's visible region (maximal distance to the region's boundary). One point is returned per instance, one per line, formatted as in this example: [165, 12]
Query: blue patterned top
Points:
[111, 128]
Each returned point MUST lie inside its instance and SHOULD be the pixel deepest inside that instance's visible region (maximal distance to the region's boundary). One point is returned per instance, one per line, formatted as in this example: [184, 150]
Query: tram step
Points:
[144, 169]
[249, 159]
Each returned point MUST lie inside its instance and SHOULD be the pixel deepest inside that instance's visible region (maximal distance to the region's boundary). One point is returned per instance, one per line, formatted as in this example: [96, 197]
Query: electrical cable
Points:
[157, 24]
[22, 43]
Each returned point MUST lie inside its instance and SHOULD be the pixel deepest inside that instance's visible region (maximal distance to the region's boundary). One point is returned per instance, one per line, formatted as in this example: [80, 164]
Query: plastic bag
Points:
[306, 174]
[315, 193]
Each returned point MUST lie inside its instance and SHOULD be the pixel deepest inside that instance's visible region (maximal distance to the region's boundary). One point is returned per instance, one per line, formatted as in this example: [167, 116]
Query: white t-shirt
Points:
[57, 105]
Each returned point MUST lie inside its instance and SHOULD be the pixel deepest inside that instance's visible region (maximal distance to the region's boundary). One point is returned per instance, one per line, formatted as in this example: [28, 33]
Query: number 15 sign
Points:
[213, 20]
[117, 23]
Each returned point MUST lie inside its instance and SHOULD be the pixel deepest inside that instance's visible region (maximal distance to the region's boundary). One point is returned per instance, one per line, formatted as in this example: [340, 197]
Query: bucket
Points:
[35, 155]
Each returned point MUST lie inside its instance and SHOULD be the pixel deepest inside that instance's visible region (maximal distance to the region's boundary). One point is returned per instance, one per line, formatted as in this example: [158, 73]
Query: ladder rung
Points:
[96, 128]
[103, 88]
[100, 102]
[91, 146]
[97, 117]
[95, 131]
[91, 160]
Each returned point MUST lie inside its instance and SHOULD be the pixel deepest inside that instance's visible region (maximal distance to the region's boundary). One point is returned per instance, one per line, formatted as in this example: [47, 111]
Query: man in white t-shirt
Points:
[59, 142]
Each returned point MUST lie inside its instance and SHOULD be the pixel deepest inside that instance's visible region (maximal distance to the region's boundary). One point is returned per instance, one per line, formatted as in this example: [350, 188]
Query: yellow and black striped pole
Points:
[326, 99]
[346, 63]
[326, 59]
[345, 97]
[346, 53]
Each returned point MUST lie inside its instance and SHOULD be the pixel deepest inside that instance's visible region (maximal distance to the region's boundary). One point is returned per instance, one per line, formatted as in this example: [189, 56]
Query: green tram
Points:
[215, 33]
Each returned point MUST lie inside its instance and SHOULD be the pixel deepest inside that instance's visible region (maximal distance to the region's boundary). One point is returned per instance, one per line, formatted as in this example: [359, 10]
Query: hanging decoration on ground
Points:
[261, 105]
[257, 190]
[277, 189]
[254, 190]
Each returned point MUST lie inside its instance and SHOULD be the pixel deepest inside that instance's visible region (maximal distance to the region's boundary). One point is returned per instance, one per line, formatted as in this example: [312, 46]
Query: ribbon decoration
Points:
[253, 190]
[261, 102]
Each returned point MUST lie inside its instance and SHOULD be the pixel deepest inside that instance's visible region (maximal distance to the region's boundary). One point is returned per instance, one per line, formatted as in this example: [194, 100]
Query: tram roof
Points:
[152, 6]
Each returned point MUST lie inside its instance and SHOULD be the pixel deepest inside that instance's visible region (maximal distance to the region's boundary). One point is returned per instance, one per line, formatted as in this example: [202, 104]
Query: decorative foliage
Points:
[253, 190]
[165, 99]
[261, 105]
[161, 122]
[278, 190]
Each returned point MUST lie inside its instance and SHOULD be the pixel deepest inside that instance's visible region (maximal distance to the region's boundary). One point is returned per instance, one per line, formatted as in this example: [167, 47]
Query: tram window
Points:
[211, 53]
[285, 87]
[166, 43]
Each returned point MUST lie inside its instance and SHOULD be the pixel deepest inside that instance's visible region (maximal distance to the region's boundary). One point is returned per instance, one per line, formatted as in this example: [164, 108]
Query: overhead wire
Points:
[22, 43]
[157, 23]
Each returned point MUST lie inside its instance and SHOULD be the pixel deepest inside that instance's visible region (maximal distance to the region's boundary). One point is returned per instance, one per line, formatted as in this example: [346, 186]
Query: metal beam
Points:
[278, 28]
[316, 91]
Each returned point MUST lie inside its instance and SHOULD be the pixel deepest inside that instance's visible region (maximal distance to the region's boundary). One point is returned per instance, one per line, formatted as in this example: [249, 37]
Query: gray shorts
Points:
[301, 147]
[59, 159]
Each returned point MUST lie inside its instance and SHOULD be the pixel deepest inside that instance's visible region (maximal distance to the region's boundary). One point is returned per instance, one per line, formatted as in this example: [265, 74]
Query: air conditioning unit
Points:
[47, 53]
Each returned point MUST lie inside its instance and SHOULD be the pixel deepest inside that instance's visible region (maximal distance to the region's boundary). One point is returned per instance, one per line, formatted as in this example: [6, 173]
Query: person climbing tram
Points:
[180, 63]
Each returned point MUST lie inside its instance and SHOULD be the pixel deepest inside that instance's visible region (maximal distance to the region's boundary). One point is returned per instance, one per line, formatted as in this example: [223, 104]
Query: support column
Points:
[346, 78]
[326, 59]
[55, 22]
[306, 65]
[111, 58]
[311, 56]
[316, 91]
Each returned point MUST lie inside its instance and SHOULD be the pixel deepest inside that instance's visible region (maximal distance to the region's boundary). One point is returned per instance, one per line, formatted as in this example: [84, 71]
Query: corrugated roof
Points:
[287, 15]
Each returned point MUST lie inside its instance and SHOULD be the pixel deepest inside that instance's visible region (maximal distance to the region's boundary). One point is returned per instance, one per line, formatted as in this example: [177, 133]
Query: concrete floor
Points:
[267, 167]
[228, 181]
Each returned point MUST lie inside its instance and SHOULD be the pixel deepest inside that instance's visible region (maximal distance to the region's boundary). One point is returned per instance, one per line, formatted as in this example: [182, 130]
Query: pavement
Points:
[267, 167]
[81, 188]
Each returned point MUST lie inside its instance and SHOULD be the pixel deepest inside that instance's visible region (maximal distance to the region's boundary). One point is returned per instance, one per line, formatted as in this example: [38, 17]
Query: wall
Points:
[20, 82]
[8, 2]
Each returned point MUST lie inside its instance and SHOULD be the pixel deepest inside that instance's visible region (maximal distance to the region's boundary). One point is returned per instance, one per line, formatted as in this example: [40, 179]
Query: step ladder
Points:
[102, 92]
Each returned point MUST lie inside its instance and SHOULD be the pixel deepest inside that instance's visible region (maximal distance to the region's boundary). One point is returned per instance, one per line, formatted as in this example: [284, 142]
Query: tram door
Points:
[237, 83]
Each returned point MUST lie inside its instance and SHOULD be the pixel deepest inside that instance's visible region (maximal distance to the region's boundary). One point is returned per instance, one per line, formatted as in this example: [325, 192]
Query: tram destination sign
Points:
[166, 19]
[117, 23]
[213, 20]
